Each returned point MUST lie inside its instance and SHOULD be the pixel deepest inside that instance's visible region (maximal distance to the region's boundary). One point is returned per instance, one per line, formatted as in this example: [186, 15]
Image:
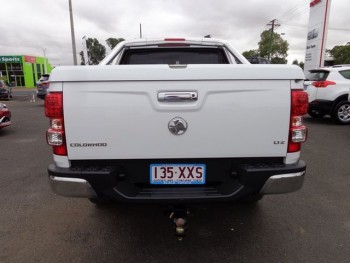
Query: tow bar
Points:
[178, 215]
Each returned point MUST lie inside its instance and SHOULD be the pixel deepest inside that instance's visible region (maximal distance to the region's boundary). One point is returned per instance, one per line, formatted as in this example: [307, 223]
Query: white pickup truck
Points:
[176, 121]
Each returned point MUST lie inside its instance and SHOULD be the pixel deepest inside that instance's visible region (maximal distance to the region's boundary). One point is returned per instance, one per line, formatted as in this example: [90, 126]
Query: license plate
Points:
[177, 173]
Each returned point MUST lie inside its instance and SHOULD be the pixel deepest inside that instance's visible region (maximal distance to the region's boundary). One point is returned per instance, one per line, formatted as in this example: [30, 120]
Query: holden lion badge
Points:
[177, 126]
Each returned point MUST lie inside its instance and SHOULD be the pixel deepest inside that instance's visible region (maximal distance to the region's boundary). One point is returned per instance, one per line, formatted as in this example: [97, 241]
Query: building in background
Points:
[22, 70]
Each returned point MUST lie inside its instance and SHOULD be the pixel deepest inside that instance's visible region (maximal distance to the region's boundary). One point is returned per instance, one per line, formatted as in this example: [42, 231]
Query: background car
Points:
[5, 116]
[328, 90]
[42, 85]
[258, 60]
[5, 90]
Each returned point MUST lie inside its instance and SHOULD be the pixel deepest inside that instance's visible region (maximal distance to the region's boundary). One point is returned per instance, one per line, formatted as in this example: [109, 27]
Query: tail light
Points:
[178, 42]
[323, 84]
[45, 84]
[174, 39]
[297, 130]
[55, 135]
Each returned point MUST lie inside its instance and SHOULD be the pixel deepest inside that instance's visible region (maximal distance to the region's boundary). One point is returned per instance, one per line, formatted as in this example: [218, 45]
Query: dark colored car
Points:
[5, 90]
[5, 116]
[258, 60]
[42, 86]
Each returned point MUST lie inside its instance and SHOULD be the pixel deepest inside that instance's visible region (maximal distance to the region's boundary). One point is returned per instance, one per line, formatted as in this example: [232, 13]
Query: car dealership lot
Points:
[312, 225]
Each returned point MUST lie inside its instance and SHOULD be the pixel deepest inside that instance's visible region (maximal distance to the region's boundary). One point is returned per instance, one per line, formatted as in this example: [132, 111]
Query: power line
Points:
[340, 29]
[295, 11]
[296, 16]
[329, 28]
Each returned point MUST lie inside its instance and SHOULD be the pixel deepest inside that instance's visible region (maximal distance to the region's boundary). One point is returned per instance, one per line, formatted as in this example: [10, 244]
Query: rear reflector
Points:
[323, 84]
[294, 147]
[60, 150]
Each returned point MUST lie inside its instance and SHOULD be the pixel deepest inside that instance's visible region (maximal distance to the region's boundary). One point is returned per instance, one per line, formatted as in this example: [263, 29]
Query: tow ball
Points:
[178, 215]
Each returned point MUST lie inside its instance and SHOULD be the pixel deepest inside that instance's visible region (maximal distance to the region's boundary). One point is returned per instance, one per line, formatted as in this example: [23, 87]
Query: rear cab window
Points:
[172, 56]
[44, 78]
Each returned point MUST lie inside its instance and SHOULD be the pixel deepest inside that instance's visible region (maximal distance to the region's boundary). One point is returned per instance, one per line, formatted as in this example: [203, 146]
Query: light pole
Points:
[72, 33]
[45, 66]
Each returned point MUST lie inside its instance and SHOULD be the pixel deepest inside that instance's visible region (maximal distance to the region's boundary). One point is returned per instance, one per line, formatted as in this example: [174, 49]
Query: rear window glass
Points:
[174, 56]
[317, 75]
[345, 73]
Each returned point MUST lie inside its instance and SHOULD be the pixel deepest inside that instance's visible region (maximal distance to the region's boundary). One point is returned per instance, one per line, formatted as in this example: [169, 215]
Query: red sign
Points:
[30, 59]
[315, 2]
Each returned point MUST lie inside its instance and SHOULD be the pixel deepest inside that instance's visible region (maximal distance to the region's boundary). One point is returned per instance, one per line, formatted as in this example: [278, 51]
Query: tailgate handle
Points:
[177, 96]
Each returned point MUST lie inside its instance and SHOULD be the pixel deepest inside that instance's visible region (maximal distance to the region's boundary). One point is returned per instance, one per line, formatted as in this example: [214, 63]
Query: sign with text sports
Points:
[317, 34]
[10, 59]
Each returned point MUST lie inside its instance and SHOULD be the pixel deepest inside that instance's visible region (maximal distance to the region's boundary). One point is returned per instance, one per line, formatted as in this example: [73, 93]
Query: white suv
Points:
[328, 90]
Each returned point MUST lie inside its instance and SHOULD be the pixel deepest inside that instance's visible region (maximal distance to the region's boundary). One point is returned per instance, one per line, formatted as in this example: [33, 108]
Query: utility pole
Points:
[45, 66]
[72, 33]
[140, 30]
[273, 23]
[85, 51]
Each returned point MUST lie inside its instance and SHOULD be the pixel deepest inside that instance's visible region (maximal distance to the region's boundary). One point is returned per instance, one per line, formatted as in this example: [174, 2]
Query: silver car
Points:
[42, 85]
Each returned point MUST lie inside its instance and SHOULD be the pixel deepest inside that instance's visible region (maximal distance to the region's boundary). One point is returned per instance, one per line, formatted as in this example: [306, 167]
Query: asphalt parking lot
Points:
[311, 225]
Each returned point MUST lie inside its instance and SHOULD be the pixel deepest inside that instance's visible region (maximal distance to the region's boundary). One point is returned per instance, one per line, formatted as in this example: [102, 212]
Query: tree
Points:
[300, 64]
[279, 47]
[112, 41]
[341, 54]
[251, 53]
[96, 52]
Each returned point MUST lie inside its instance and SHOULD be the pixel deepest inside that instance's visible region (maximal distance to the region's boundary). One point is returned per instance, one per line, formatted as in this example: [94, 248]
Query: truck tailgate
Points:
[241, 111]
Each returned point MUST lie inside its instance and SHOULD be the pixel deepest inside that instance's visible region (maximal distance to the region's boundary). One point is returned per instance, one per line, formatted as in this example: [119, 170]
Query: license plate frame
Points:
[177, 174]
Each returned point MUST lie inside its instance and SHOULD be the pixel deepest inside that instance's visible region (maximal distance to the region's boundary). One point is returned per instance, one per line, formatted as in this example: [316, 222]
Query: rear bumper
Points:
[225, 182]
[283, 183]
[72, 187]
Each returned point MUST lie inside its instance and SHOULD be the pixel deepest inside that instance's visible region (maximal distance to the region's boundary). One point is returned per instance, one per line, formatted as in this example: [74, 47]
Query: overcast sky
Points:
[29, 27]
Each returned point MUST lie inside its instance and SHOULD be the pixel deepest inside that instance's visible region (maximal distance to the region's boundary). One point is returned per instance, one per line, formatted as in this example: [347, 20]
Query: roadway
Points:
[311, 225]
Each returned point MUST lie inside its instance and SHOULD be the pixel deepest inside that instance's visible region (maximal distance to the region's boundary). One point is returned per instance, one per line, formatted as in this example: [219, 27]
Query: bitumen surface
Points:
[311, 225]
